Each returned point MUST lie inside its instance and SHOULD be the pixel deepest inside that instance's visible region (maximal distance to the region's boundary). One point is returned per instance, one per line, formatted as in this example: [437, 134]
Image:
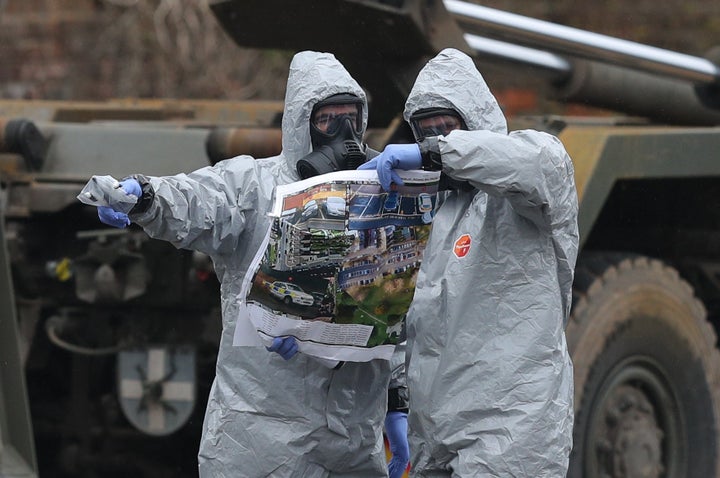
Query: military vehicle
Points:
[17, 450]
[118, 333]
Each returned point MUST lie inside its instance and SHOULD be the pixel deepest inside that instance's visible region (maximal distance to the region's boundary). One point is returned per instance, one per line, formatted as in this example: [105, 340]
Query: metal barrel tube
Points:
[602, 85]
[593, 46]
[637, 93]
[223, 143]
[554, 65]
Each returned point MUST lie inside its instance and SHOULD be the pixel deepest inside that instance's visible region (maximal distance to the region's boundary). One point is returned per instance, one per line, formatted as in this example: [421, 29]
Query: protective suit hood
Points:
[451, 80]
[313, 77]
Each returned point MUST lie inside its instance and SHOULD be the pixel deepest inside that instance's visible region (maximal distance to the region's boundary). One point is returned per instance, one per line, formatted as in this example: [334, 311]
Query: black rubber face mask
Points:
[340, 146]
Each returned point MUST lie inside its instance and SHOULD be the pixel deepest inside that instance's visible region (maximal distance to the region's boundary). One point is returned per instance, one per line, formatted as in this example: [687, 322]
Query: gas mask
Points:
[336, 135]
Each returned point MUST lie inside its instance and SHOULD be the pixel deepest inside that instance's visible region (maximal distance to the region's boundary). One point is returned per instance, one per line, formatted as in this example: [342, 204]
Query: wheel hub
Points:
[630, 441]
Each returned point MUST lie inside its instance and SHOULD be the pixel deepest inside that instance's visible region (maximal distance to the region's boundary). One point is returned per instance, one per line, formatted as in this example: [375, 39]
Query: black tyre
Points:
[646, 373]
[287, 300]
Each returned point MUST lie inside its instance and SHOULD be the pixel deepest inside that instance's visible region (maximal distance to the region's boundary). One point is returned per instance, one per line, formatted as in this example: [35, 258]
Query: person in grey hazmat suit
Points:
[489, 374]
[267, 416]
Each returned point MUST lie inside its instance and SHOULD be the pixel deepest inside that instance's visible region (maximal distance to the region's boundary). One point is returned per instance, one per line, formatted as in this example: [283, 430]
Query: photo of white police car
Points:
[290, 293]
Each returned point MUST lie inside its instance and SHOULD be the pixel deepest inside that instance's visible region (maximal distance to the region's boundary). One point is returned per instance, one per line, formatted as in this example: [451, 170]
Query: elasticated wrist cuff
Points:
[148, 194]
[430, 153]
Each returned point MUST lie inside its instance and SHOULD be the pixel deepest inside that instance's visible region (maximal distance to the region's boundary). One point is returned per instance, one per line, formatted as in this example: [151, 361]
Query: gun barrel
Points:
[401, 36]
[555, 65]
[588, 45]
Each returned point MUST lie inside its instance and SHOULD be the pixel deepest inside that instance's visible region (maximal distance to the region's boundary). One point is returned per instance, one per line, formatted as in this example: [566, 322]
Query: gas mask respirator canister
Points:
[336, 134]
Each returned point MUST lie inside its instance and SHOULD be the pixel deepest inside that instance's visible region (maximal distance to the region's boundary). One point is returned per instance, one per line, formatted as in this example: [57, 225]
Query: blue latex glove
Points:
[285, 346]
[394, 156]
[112, 217]
[131, 186]
[396, 430]
[115, 218]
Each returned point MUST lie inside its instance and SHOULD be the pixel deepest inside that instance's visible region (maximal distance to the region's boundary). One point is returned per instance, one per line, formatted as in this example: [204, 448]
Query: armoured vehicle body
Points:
[110, 321]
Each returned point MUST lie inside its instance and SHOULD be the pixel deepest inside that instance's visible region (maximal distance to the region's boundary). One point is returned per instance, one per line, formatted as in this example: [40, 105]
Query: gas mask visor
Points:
[328, 118]
[435, 122]
[336, 134]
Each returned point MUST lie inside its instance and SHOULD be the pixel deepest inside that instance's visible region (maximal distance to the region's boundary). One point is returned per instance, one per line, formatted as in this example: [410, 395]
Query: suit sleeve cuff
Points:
[430, 153]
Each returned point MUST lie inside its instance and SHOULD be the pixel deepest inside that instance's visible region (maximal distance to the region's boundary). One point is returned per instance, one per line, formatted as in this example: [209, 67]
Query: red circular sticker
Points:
[462, 245]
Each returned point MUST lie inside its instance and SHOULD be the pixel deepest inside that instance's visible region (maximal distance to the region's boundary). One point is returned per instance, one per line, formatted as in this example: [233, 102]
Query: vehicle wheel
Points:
[287, 300]
[646, 373]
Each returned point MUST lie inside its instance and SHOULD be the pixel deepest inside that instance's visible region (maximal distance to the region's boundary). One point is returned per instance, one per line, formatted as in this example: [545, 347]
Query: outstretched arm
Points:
[206, 210]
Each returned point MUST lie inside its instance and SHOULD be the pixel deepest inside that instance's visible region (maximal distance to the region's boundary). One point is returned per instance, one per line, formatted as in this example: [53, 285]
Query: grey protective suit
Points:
[266, 416]
[489, 374]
